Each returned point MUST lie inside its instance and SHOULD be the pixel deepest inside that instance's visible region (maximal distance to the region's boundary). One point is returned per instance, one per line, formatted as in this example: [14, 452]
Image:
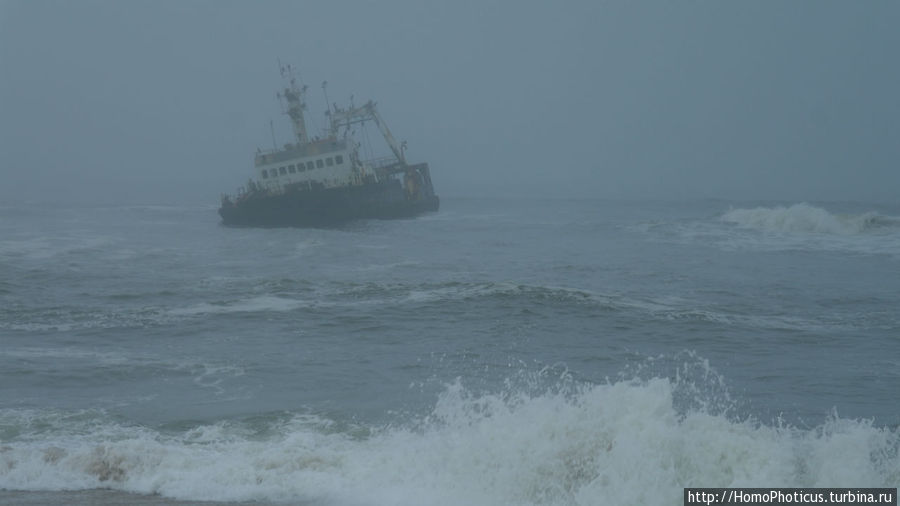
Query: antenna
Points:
[325, 91]
[272, 128]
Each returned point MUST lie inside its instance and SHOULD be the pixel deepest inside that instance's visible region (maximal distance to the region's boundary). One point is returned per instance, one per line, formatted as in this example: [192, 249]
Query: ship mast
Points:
[296, 102]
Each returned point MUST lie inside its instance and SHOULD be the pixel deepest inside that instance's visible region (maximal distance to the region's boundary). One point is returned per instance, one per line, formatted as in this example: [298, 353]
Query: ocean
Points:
[498, 352]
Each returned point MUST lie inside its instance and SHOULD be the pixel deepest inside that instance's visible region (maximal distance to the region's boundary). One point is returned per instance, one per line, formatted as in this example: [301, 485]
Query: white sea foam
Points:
[353, 296]
[249, 305]
[779, 228]
[619, 443]
[68, 353]
[667, 308]
[806, 218]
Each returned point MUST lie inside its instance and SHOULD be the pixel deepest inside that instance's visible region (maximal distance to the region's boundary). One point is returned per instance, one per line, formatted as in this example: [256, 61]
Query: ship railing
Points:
[378, 163]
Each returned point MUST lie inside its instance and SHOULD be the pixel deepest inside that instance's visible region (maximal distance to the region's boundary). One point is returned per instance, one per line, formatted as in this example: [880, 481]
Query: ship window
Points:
[292, 169]
[265, 174]
[319, 163]
[282, 170]
[339, 159]
[309, 165]
[329, 161]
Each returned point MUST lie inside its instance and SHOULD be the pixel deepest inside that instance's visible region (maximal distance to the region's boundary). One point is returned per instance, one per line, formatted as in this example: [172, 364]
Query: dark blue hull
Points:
[326, 207]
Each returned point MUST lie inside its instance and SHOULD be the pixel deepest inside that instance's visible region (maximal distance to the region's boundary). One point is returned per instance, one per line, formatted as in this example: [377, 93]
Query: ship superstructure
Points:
[323, 181]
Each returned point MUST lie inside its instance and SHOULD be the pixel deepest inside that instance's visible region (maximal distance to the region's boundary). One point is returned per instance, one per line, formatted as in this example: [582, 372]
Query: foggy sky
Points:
[162, 102]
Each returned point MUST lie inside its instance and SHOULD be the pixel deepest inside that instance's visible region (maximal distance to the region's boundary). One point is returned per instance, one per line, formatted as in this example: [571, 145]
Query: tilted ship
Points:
[324, 182]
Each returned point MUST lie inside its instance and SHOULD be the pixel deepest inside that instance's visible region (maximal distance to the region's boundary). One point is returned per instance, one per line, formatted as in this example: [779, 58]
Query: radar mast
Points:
[296, 103]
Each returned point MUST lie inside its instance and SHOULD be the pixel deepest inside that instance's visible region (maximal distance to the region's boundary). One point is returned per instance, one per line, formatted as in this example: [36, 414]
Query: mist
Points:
[165, 102]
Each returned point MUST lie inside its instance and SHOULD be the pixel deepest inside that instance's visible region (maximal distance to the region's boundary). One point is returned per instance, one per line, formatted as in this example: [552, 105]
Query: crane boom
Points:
[346, 117]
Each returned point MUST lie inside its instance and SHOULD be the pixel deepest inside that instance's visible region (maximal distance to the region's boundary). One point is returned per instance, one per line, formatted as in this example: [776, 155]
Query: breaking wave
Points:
[623, 442]
[810, 219]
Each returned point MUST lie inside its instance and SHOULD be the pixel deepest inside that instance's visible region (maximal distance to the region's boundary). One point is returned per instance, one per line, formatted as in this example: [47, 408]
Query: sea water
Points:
[498, 352]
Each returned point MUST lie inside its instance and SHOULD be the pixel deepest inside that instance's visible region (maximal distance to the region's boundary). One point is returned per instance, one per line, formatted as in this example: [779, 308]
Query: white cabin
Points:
[330, 163]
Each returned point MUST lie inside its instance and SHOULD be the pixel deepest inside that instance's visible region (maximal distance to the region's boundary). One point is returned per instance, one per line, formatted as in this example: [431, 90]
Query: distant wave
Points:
[623, 442]
[42, 248]
[83, 364]
[807, 218]
[261, 303]
[286, 296]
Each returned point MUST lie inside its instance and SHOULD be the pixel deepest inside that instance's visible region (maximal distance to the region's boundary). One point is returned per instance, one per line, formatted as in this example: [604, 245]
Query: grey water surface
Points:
[504, 351]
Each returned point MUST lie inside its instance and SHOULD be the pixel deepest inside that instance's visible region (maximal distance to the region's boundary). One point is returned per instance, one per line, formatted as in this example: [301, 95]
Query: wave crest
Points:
[623, 442]
[806, 218]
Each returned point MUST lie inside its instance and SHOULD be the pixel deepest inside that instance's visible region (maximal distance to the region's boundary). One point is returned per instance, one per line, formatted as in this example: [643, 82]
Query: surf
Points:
[625, 441]
[805, 218]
